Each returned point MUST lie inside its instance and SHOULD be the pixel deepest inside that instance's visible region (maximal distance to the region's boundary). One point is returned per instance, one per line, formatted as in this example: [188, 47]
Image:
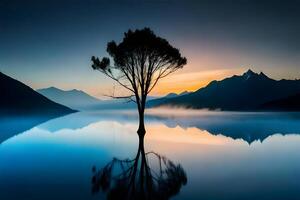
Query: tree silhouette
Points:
[136, 180]
[141, 59]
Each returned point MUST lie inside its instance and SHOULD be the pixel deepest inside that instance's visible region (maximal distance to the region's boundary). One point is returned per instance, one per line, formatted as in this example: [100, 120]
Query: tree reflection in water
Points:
[136, 179]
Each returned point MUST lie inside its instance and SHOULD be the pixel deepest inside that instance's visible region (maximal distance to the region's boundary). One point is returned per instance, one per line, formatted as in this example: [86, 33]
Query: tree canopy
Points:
[140, 60]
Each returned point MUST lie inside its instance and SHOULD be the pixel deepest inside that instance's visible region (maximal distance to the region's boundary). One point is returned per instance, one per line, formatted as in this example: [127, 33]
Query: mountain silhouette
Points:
[19, 99]
[291, 103]
[172, 95]
[246, 92]
[162, 100]
[75, 99]
[79, 100]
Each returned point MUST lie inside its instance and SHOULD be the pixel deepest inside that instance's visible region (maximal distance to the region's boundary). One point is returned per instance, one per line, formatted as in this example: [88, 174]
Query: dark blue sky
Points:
[49, 43]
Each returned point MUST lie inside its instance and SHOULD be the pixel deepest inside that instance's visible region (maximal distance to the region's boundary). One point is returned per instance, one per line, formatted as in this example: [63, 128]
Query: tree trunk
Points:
[141, 144]
[141, 130]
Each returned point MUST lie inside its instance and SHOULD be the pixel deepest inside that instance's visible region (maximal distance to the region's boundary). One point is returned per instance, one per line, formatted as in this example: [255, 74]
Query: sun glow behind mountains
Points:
[192, 81]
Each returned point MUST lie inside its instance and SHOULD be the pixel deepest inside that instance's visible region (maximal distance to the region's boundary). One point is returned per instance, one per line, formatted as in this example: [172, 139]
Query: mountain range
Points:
[19, 99]
[248, 92]
[79, 100]
[75, 99]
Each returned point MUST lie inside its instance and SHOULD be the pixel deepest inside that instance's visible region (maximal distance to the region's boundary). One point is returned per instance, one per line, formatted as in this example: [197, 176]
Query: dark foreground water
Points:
[191, 155]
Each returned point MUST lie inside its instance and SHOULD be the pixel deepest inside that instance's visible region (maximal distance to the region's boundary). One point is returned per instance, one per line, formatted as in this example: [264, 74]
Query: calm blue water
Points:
[222, 155]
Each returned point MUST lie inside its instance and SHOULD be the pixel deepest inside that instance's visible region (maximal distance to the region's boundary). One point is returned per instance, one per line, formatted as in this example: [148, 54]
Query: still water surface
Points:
[223, 155]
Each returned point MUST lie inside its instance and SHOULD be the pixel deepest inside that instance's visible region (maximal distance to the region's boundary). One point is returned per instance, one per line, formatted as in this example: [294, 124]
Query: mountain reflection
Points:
[135, 179]
[249, 127]
[13, 125]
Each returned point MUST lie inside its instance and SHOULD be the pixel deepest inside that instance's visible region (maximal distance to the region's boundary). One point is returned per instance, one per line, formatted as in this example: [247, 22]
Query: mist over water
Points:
[225, 155]
[189, 112]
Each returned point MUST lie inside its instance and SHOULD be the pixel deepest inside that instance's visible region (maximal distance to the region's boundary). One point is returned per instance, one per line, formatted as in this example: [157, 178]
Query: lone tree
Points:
[140, 61]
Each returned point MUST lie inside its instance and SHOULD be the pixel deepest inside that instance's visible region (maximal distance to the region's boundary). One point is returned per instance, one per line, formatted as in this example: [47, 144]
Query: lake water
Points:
[217, 155]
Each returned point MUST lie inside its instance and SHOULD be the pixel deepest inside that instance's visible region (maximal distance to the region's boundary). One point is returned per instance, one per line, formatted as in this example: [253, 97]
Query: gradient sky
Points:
[49, 43]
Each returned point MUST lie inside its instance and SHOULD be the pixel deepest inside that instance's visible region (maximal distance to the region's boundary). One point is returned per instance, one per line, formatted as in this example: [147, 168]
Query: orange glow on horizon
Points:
[175, 83]
[190, 81]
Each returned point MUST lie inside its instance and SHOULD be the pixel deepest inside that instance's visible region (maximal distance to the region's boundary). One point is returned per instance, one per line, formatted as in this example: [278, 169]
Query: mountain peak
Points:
[53, 88]
[183, 93]
[170, 95]
[250, 74]
[263, 75]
